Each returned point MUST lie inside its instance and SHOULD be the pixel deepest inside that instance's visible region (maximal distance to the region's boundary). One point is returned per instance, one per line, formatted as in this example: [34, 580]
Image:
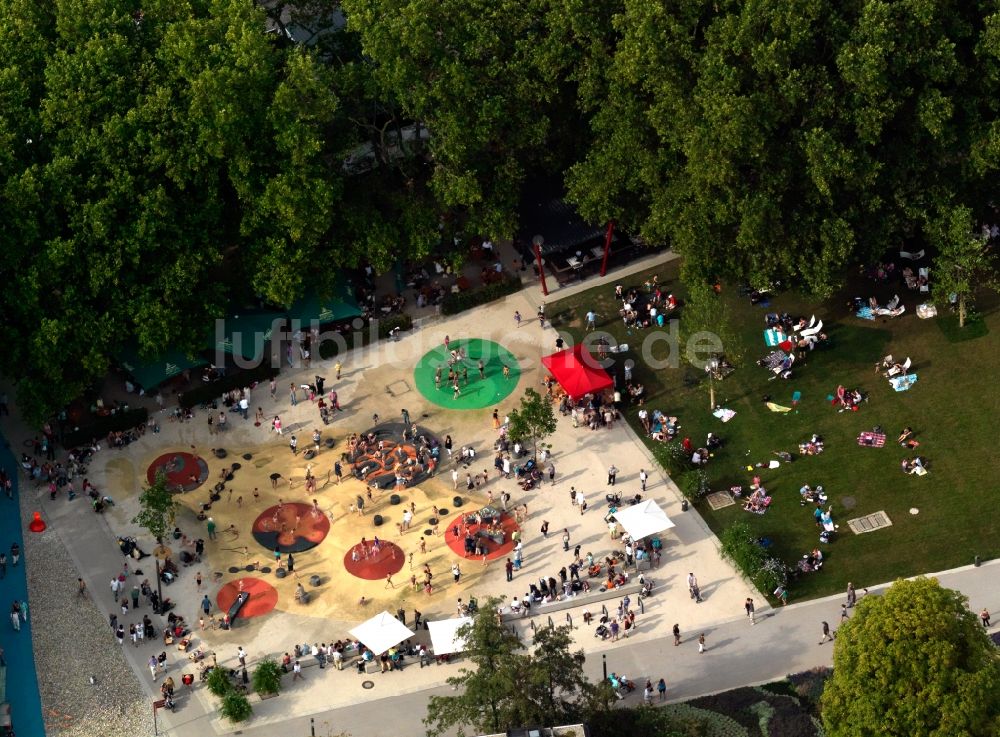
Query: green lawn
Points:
[953, 408]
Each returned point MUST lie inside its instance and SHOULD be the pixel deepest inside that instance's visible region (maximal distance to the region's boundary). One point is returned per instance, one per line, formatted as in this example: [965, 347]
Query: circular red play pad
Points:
[366, 561]
[494, 550]
[183, 470]
[292, 527]
[263, 596]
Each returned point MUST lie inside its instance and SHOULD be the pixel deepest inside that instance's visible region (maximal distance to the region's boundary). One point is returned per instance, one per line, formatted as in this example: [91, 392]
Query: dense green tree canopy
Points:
[159, 159]
[785, 139]
[914, 662]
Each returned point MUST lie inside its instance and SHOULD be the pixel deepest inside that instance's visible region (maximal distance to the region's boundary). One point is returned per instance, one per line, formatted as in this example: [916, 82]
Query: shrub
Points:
[235, 379]
[741, 548]
[455, 303]
[236, 707]
[267, 677]
[99, 427]
[218, 682]
[694, 484]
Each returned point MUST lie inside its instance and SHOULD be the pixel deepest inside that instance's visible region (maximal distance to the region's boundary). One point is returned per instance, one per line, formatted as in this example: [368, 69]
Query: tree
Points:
[783, 140]
[266, 677]
[487, 78]
[916, 663]
[533, 421]
[157, 509]
[490, 689]
[235, 707]
[554, 686]
[155, 165]
[218, 682]
[507, 688]
[964, 262]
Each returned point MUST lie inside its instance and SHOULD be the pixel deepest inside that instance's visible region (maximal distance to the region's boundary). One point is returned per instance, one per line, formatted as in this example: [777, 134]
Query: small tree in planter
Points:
[218, 682]
[533, 421]
[236, 707]
[267, 678]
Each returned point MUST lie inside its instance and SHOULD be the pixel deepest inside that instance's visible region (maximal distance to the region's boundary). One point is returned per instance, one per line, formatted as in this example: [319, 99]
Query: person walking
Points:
[206, 605]
[985, 617]
[210, 526]
[338, 367]
[852, 595]
[643, 477]
[661, 688]
[545, 528]
[677, 635]
[509, 567]
[293, 445]
[612, 475]
[15, 616]
[701, 643]
[843, 613]
[591, 320]
[748, 605]
[276, 425]
[565, 539]
[454, 478]
[517, 318]
[15, 554]
[552, 473]
[152, 666]
[827, 635]
[406, 418]
[297, 671]
[456, 572]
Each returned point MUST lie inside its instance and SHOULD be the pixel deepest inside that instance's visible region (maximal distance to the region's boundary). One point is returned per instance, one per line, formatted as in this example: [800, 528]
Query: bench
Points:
[581, 599]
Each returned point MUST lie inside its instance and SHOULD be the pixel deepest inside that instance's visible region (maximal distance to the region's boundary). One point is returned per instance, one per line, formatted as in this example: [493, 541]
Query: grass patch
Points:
[975, 327]
[952, 408]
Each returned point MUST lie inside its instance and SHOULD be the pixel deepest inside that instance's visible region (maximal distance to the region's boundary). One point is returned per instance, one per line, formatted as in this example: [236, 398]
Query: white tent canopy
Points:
[381, 632]
[642, 519]
[444, 638]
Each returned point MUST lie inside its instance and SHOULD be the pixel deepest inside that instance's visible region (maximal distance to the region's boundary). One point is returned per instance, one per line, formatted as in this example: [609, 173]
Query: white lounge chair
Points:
[899, 370]
[912, 256]
[813, 330]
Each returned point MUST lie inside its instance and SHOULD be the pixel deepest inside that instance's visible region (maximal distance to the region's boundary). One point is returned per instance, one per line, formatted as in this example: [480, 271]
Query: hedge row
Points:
[234, 380]
[358, 338]
[100, 426]
[455, 303]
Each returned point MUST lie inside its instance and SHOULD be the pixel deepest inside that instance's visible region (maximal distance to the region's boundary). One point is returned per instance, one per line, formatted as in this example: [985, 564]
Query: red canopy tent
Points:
[577, 371]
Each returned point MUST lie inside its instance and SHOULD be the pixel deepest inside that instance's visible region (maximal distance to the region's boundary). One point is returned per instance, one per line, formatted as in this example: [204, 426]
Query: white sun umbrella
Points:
[444, 635]
[643, 519]
[381, 632]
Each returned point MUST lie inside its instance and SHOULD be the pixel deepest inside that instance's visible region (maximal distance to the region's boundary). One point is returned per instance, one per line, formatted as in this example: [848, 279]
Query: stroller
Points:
[603, 632]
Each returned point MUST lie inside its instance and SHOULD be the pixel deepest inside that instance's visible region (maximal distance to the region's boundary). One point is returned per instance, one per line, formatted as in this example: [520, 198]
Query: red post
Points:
[541, 268]
[607, 247]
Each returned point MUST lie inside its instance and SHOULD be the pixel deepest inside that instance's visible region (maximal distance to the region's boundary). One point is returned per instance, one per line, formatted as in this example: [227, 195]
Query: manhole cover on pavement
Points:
[368, 684]
[848, 502]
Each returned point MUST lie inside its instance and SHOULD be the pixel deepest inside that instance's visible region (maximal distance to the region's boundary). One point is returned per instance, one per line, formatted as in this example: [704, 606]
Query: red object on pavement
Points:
[37, 524]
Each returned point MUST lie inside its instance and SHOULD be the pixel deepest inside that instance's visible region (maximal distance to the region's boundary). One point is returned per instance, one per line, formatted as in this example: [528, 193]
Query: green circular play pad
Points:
[478, 392]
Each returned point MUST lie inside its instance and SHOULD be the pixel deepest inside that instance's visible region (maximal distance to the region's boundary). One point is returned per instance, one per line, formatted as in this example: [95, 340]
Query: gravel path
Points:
[72, 641]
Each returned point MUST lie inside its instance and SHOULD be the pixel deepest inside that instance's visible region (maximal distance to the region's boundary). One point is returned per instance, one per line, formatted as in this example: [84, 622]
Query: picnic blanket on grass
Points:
[773, 359]
[724, 414]
[870, 439]
[865, 313]
[777, 407]
[902, 383]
